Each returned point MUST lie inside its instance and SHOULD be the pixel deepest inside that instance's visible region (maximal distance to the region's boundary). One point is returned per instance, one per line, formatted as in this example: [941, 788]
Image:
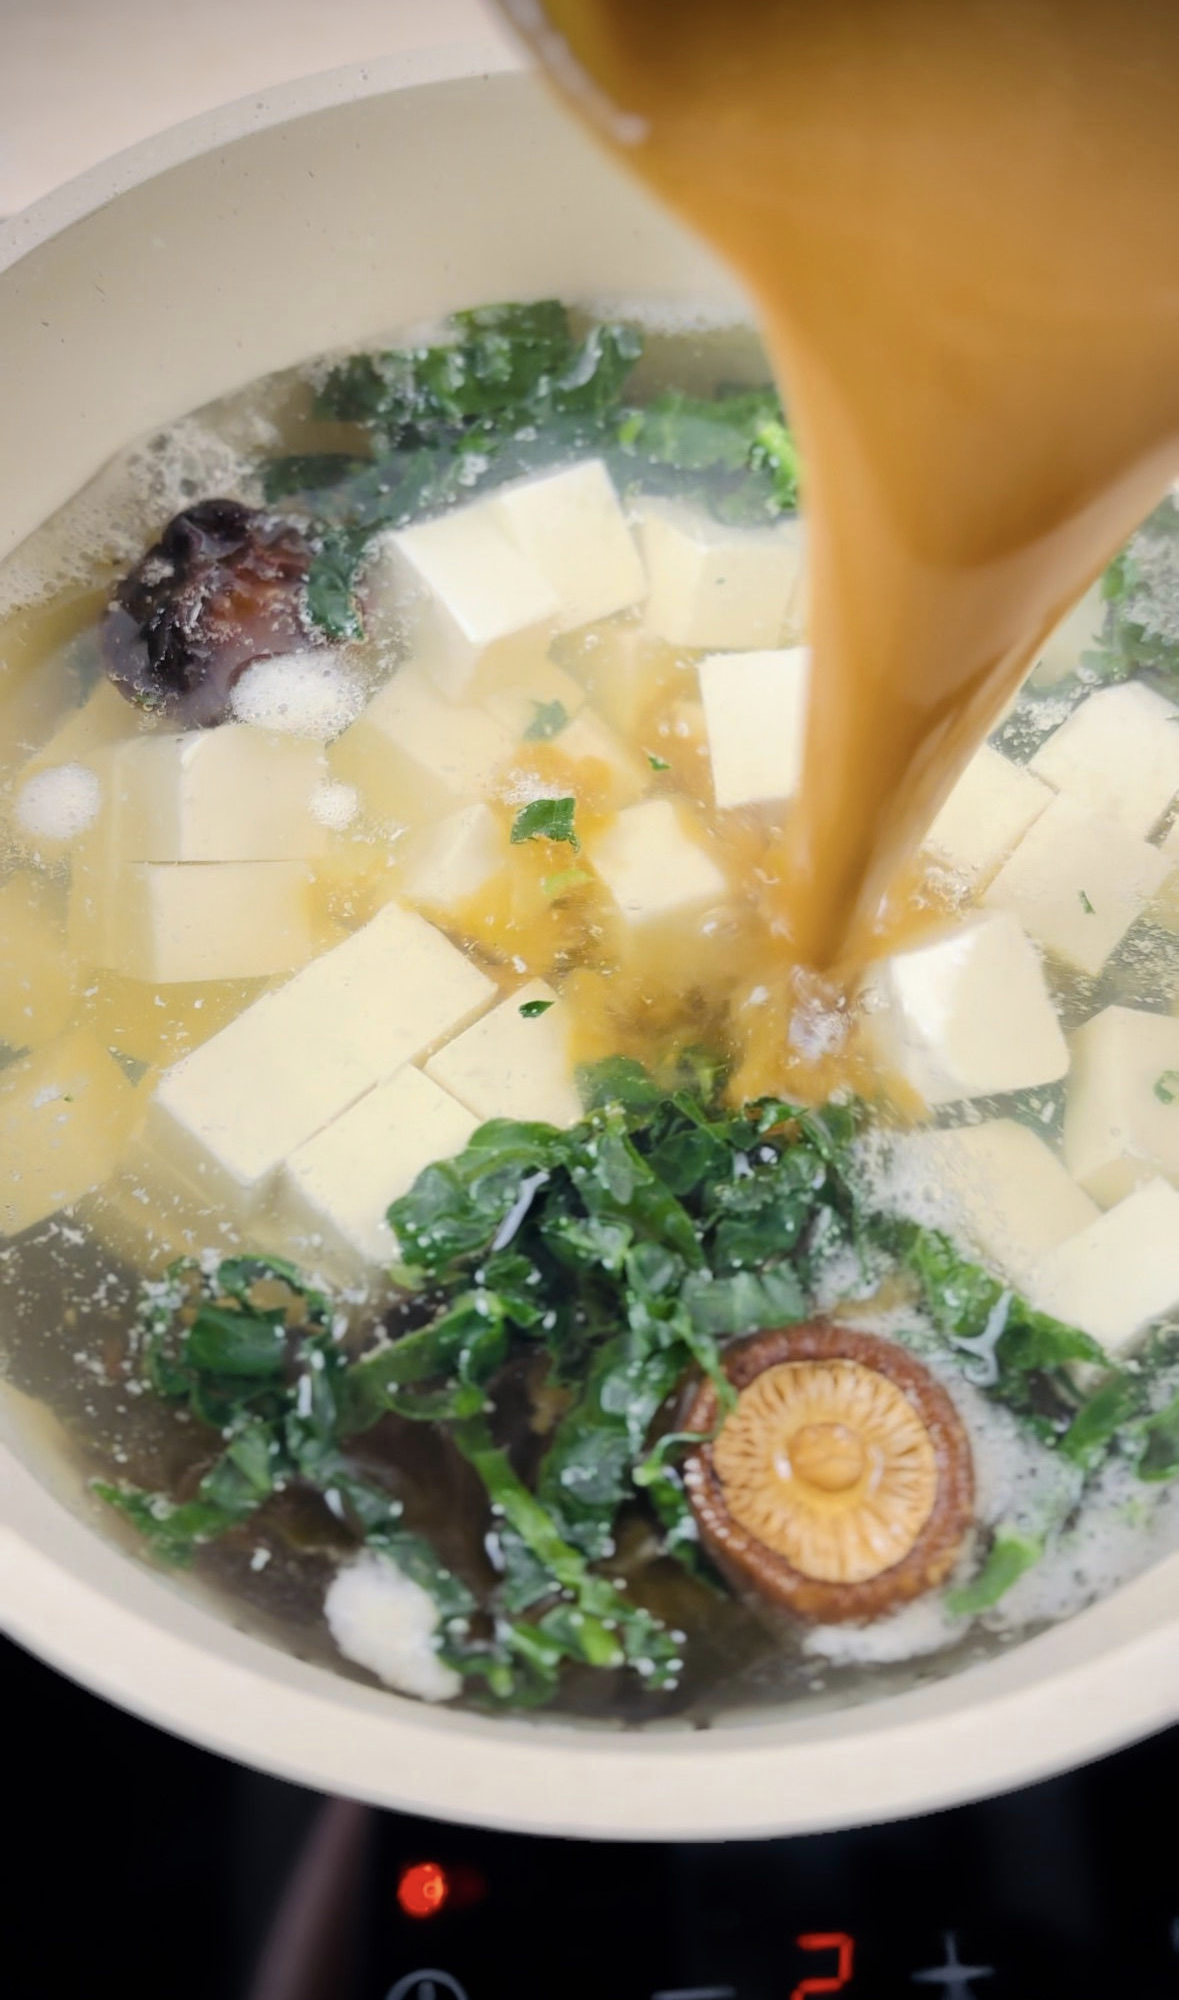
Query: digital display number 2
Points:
[844, 1948]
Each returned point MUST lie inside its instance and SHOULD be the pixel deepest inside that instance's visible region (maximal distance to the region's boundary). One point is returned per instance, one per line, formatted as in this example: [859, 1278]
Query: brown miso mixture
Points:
[956, 223]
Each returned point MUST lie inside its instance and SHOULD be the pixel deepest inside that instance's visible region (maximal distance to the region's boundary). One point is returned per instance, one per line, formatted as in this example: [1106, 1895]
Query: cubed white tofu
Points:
[511, 1064]
[608, 768]
[445, 865]
[1001, 1187]
[529, 706]
[755, 707]
[228, 794]
[1121, 1117]
[624, 668]
[711, 585]
[412, 754]
[569, 525]
[472, 607]
[231, 1111]
[986, 816]
[168, 922]
[1077, 881]
[1118, 754]
[1078, 632]
[1120, 1273]
[65, 1114]
[654, 864]
[38, 985]
[102, 719]
[967, 1014]
[333, 1191]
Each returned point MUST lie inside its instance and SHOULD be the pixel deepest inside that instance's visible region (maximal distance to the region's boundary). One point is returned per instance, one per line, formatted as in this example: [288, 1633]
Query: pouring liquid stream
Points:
[955, 223]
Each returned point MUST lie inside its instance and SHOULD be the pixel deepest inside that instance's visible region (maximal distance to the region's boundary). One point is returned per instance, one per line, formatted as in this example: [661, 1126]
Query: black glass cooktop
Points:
[137, 1866]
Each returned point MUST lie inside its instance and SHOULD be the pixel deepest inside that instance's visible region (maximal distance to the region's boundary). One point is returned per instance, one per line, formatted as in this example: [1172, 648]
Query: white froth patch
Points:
[335, 805]
[670, 316]
[299, 694]
[921, 1628]
[383, 1620]
[122, 509]
[60, 803]
[1125, 1528]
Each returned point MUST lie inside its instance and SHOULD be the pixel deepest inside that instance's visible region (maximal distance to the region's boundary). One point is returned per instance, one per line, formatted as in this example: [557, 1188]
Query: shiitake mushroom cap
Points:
[224, 585]
[784, 1464]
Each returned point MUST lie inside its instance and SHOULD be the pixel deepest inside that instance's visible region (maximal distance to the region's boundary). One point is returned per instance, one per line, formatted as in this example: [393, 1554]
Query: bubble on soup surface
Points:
[60, 803]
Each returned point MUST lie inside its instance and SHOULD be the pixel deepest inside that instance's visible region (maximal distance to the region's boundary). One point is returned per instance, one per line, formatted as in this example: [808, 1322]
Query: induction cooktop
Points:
[143, 1867]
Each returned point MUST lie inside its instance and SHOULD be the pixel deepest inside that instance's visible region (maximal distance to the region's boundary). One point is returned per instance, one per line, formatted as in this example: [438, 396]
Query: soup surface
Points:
[432, 1211]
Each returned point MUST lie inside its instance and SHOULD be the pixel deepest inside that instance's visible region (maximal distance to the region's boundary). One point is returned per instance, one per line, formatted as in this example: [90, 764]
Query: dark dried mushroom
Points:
[841, 1484]
[224, 586]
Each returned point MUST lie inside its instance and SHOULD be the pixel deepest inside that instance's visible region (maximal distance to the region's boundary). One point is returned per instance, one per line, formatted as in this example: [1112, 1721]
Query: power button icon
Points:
[427, 1985]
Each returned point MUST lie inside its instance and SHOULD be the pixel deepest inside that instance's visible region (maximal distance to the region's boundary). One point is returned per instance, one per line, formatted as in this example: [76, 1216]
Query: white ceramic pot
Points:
[327, 213]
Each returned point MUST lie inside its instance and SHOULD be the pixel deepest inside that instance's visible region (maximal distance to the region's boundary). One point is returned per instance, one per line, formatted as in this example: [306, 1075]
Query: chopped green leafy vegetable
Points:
[1141, 589]
[1166, 1087]
[546, 819]
[533, 1009]
[657, 763]
[1159, 1457]
[1086, 905]
[549, 720]
[509, 390]
[617, 1256]
[1113, 1404]
[1011, 1556]
[1015, 1352]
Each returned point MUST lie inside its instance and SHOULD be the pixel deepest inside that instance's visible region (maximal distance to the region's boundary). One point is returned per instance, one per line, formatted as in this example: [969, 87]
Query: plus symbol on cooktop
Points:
[953, 1977]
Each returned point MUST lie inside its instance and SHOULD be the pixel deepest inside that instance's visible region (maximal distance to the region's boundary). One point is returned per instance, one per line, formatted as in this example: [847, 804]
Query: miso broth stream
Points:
[441, 1209]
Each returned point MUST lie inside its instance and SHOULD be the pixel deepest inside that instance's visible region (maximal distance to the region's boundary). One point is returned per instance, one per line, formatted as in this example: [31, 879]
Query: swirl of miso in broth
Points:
[955, 222]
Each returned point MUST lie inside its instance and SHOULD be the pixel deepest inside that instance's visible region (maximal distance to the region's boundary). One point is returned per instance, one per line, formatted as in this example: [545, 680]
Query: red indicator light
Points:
[845, 1949]
[423, 1889]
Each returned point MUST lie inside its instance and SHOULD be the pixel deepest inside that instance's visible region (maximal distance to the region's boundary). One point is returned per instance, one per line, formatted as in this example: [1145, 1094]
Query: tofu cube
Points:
[623, 668]
[511, 1065]
[569, 526]
[37, 983]
[1118, 754]
[1078, 632]
[229, 1113]
[334, 1191]
[229, 794]
[986, 816]
[1077, 881]
[967, 1014]
[65, 1114]
[655, 866]
[473, 608]
[450, 863]
[102, 719]
[755, 707]
[710, 585]
[1121, 1118]
[412, 754]
[1001, 1187]
[167, 922]
[519, 708]
[1120, 1273]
